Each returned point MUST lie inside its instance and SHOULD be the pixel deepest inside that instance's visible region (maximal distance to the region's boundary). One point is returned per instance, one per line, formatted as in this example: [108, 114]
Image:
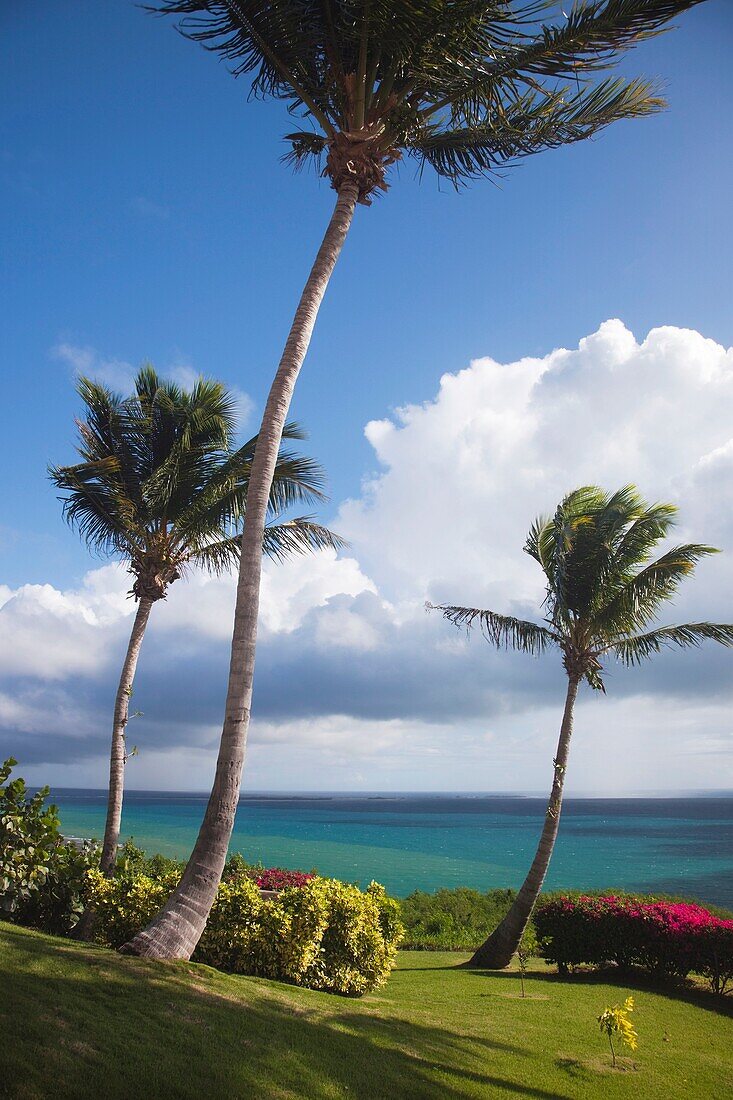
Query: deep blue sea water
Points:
[419, 841]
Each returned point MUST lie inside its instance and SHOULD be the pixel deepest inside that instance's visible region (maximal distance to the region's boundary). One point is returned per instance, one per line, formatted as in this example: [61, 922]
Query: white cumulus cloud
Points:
[356, 684]
[463, 475]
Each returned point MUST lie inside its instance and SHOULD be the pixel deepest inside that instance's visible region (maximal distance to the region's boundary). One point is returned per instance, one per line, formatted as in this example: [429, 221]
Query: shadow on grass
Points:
[625, 979]
[83, 1022]
[430, 969]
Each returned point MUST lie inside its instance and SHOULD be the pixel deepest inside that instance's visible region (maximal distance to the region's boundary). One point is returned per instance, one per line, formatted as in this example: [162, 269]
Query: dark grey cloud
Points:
[421, 669]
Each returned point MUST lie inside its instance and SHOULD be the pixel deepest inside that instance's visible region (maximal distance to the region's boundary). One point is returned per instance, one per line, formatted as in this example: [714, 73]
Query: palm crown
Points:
[603, 587]
[465, 86]
[160, 485]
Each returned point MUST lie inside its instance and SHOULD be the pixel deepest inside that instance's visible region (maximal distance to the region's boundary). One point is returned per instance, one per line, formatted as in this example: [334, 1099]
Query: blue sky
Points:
[146, 215]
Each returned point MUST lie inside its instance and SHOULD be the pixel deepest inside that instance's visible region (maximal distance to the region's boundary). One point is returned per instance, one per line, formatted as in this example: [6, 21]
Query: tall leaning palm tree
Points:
[463, 86]
[604, 591]
[160, 487]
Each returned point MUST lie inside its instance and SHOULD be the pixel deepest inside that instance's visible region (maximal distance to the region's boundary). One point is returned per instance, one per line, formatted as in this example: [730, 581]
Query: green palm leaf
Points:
[530, 125]
[633, 604]
[503, 631]
[634, 650]
[467, 87]
[298, 536]
[280, 542]
[602, 588]
[160, 487]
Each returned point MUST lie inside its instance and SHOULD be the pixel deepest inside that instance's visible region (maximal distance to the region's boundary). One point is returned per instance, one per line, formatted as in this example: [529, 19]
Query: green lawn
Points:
[78, 1022]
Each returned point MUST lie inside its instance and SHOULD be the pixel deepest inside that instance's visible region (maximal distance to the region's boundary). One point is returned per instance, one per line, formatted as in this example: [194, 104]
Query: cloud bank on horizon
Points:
[356, 686]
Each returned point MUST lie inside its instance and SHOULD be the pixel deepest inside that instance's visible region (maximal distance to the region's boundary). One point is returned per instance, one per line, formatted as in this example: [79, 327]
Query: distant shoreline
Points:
[393, 796]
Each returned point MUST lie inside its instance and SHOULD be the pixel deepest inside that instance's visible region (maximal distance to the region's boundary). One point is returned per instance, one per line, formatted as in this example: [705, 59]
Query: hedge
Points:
[666, 939]
[452, 920]
[323, 934]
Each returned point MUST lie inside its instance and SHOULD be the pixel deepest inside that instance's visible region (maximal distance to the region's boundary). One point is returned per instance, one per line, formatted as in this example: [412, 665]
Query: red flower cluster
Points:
[675, 916]
[278, 878]
[668, 939]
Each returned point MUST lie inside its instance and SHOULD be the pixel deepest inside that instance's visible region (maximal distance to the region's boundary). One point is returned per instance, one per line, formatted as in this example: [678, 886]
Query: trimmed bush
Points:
[125, 904]
[323, 934]
[666, 939]
[360, 940]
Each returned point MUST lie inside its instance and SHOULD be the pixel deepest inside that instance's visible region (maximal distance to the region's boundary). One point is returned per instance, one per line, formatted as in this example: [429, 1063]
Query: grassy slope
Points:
[77, 1021]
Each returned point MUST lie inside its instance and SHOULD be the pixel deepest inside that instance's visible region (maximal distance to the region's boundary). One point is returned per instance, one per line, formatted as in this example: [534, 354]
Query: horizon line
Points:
[720, 792]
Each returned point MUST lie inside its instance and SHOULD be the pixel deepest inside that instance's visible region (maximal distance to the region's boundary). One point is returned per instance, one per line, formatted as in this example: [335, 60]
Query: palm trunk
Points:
[174, 933]
[497, 951]
[117, 752]
[84, 929]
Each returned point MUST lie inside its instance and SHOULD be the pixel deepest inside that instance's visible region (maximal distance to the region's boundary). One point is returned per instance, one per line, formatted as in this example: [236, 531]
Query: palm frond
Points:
[592, 36]
[305, 146]
[221, 556]
[636, 602]
[567, 548]
[221, 503]
[300, 535]
[540, 543]
[280, 541]
[640, 539]
[466, 86]
[634, 650]
[503, 631]
[95, 505]
[533, 124]
[279, 45]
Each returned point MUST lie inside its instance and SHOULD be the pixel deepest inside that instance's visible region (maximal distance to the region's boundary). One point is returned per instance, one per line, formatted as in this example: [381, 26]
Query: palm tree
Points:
[160, 488]
[464, 86]
[603, 593]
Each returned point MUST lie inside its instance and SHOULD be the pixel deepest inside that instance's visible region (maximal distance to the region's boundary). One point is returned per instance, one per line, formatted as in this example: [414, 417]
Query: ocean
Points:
[424, 841]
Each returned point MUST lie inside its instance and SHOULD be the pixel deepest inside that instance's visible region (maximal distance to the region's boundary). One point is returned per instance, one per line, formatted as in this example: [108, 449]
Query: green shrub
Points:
[41, 876]
[125, 904]
[323, 935]
[58, 905]
[133, 860]
[452, 920]
[29, 832]
[360, 940]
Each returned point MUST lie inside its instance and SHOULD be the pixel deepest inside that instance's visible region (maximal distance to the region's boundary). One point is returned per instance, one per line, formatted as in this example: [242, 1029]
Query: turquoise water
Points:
[411, 841]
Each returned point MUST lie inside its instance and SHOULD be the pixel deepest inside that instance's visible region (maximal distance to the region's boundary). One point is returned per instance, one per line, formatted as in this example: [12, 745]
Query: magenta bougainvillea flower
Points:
[278, 878]
[666, 938]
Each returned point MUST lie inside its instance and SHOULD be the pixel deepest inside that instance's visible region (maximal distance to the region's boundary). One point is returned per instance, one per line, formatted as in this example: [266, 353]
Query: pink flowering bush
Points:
[665, 938]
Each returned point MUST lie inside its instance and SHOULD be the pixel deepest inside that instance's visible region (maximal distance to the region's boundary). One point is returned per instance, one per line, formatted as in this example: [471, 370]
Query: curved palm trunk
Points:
[117, 753]
[176, 930]
[84, 929]
[496, 952]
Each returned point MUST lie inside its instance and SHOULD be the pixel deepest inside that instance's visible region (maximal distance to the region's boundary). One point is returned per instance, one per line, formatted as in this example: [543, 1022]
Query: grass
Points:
[80, 1021]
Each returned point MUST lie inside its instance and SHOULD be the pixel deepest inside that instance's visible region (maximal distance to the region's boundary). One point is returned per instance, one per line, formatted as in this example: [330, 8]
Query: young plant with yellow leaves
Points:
[615, 1021]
